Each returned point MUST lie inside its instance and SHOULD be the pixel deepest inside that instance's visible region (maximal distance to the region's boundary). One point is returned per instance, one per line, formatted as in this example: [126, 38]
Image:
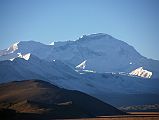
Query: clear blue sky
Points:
[133, 21]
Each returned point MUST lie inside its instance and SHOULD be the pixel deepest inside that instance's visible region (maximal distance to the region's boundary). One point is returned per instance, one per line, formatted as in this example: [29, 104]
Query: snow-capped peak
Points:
[81, 65]
[95, 36]
[13, 48]
[141, 72]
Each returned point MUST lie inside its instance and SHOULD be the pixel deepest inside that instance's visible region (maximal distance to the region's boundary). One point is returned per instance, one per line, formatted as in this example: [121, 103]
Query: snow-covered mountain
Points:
[36, 48]
[97, 52]
[96, 64]
[102, 53]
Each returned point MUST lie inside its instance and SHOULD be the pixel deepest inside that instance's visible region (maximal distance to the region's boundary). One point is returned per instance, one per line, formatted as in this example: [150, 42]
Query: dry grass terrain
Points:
[40, 100]
[133, 116]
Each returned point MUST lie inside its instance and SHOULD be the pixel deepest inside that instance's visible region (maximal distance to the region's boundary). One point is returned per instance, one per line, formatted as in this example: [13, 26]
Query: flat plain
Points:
[132, 116]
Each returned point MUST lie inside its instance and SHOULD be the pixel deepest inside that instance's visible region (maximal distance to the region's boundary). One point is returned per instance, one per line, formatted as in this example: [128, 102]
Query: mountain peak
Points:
[19, 45]
[95, 36]
[103, 53]
[13, 47]
[98, 34]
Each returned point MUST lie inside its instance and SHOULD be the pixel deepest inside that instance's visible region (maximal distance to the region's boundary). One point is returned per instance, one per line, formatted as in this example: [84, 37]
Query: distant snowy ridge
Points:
[141, 73]
[103, 53]
[9, 50]
[13, 48]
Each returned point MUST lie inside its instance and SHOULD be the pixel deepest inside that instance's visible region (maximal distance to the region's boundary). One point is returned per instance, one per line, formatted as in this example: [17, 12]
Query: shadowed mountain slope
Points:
[39, 97]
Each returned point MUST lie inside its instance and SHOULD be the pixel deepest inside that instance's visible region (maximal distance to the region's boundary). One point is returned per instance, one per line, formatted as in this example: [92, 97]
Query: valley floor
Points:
[133, 116]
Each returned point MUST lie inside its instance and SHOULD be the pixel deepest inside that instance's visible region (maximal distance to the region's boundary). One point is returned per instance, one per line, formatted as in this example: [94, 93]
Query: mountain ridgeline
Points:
[102, 52]
[97, 64]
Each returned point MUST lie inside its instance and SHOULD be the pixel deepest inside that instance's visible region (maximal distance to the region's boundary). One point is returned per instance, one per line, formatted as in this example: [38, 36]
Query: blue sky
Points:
[133, 21]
